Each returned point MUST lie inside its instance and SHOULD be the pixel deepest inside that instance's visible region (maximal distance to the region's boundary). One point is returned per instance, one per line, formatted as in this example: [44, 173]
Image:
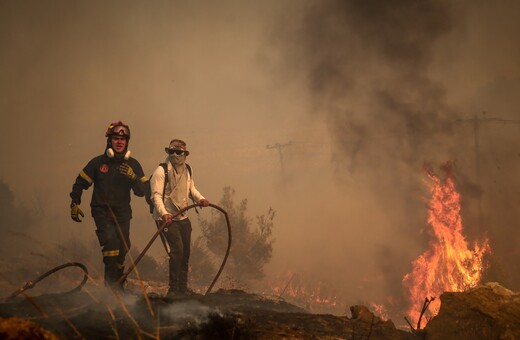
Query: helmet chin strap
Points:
[111, 154]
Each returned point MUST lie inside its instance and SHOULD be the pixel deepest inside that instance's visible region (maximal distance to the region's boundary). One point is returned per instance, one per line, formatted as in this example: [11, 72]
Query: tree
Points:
[14, 216]
[251, 247]
[16, 221]
[203, 267]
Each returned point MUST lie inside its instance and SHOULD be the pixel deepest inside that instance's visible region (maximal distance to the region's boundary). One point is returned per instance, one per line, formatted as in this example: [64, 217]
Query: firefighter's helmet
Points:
[118, 128]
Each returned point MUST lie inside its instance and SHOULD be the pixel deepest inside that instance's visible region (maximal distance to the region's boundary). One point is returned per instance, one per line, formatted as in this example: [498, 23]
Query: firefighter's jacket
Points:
[111, 188]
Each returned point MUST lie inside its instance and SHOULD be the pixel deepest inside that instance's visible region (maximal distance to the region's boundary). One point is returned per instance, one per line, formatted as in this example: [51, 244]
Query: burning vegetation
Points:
[317, 297]
[449, 265]
[291, 306]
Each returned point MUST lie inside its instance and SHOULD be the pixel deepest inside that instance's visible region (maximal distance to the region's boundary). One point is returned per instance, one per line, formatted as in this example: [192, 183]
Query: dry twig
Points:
[423, 310]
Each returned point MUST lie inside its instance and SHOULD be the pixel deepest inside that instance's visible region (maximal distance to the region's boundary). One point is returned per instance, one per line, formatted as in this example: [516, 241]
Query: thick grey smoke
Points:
[367, 65]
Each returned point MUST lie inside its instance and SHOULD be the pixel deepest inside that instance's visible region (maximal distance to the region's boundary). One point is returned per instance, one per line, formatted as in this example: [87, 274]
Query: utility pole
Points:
[279, 147]
[476, 120]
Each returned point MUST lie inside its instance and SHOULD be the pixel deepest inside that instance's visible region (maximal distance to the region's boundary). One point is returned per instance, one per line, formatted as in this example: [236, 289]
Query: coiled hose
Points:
[31, 284]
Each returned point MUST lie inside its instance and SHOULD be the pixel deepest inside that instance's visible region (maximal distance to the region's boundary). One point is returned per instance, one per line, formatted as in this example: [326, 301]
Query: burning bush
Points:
[448, 265]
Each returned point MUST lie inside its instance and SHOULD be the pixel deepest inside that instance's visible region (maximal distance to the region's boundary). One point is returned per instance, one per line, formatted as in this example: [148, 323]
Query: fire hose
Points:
[164, 225]
[31, 284]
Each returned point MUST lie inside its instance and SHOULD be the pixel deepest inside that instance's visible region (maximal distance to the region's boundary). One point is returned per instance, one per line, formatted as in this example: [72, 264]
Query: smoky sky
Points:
[367, 65]
[372, 70]
[361, 93]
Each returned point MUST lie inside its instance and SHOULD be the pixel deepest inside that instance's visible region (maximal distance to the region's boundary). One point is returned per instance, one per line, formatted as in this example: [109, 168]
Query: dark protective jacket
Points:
[110, 187]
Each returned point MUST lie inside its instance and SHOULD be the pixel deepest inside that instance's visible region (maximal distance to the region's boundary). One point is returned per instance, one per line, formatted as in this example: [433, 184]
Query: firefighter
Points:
[114, 174]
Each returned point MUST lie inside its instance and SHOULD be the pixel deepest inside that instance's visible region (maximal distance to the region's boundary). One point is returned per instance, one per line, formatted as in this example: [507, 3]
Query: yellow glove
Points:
[75, 211]
[126, 170]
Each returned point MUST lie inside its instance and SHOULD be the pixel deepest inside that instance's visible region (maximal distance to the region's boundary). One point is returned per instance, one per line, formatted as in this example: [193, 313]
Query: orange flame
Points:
[448, 265]
[297, 289]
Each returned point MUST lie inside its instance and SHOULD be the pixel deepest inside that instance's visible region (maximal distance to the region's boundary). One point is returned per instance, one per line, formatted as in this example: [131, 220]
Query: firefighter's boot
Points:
[113, 272]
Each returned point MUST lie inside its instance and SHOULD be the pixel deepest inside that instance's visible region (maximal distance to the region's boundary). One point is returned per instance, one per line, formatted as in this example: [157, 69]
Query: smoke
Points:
[17, 221]
[372, 70]
[367, 66]
[361, 93]
[197, 312]
[10, 214]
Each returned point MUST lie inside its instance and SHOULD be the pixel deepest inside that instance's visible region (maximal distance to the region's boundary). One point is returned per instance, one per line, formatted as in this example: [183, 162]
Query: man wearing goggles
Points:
[114, 175]
[171, 185]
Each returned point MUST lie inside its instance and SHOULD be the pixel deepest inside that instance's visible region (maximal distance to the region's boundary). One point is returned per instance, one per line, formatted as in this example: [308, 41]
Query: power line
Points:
[477, 121]
[279, 147]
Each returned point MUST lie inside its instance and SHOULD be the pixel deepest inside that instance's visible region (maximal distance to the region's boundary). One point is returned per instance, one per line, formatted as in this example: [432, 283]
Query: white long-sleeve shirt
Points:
[172, 204]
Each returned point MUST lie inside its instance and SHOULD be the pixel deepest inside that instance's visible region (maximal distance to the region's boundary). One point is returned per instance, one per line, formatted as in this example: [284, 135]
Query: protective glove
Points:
[75, 211]
[127, 170]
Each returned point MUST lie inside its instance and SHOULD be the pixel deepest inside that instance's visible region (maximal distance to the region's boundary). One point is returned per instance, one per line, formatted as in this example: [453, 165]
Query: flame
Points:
[297, 289]
[380, 310]
[448, 265]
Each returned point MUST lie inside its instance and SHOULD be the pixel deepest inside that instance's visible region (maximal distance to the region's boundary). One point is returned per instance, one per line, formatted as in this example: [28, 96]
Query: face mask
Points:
[177, 159]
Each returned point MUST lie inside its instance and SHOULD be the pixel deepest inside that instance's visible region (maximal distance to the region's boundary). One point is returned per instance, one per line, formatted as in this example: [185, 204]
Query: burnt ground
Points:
[225, 314]
[489, 311]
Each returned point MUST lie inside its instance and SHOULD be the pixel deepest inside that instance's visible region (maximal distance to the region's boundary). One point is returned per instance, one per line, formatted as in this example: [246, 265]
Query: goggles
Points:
[120, 130]
[177, 152]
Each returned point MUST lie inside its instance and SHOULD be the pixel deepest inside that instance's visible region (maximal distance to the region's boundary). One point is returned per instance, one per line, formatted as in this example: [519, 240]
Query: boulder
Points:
[489, 311]
[16, 328]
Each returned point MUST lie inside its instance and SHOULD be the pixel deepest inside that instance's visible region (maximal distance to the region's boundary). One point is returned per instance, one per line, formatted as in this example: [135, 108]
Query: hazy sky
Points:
[366, 92]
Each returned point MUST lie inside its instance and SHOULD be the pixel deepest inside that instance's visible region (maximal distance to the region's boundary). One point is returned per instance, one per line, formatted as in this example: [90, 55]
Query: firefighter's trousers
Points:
[114, 239]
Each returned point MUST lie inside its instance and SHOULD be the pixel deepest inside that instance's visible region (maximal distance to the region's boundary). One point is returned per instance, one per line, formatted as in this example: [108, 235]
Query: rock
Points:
[362, 313]
[16, 328]
[489, 311]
